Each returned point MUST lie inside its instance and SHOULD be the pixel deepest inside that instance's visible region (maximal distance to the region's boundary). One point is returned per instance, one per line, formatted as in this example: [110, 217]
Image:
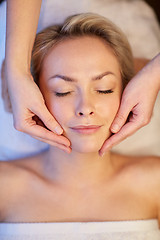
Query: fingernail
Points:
[58, 130]
[68, 150]
[115, 128]
[101, 154]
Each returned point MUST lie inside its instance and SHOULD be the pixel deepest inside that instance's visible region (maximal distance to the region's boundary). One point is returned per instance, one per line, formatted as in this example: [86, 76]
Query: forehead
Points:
[81, 54]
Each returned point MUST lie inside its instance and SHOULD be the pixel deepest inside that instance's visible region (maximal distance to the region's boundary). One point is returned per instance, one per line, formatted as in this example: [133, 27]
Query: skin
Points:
[139, 97]
[28, 102]
[85, 91]
[22, 21]
[80, 186]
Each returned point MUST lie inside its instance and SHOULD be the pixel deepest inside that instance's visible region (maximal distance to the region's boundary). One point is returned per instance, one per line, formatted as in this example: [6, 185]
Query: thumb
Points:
[49, 121]
[121, 117]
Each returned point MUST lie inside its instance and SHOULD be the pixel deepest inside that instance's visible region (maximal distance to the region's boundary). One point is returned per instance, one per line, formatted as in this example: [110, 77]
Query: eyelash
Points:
[62, 94]
[105, 91]
[99, 91]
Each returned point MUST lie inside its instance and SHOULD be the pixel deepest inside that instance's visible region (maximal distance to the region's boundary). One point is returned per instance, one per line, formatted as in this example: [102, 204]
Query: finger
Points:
[60, 146]
[57, 140]
[127, 130]
[40, 132]
[49, 121]
[121, 116]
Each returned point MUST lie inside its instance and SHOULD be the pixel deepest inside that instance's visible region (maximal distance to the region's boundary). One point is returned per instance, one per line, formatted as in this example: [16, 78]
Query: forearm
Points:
[22, 21]
[156, 71]
[152, 71]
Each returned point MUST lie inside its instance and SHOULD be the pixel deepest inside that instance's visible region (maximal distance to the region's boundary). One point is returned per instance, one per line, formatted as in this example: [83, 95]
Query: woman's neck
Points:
[77, 169]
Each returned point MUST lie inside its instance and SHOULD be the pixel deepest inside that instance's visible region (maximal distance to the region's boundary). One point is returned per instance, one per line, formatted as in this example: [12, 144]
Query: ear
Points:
[4, 92]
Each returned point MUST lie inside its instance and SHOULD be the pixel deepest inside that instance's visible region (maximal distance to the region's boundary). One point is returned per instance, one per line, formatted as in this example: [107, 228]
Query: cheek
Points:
[56, 106]
[110, 109]
[60, 110]
[57, 110]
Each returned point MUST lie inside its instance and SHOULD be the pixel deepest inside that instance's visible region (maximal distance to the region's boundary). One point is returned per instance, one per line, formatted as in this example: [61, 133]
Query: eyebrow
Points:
[69, 79]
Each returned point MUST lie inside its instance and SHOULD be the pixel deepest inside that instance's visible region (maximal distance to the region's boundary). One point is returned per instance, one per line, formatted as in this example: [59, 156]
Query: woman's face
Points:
[81, 83]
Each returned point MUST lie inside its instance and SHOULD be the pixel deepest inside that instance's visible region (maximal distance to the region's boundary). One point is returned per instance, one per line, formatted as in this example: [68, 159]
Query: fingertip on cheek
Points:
[68, 150]
[115, 128]
[101, 154]
[58, 130]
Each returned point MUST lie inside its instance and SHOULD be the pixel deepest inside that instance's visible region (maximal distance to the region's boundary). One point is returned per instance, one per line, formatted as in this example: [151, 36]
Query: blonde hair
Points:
[85, 24]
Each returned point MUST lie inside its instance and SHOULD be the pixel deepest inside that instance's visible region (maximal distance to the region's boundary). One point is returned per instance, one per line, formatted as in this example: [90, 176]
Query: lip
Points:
[86, 129]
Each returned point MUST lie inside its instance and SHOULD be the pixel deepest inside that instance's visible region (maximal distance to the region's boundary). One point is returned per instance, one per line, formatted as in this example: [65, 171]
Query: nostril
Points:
[80, 113]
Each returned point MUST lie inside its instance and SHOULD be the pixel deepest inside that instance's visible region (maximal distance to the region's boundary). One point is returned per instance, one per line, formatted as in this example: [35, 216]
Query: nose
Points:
[85, 107]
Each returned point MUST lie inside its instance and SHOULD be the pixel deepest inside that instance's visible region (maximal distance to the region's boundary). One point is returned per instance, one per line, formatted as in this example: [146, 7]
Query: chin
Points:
[88, 143]
[86, 146]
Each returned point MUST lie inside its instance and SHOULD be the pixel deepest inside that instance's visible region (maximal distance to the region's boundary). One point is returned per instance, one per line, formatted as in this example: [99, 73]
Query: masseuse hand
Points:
[31, 114]
[29, 111]
[137, 104]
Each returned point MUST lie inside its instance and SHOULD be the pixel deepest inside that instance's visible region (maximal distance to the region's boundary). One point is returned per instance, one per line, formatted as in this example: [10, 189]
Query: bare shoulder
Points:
[148, 164]
[145, 173]
[9, 181]
[14, 170]
[8, 173]
[15, 177]
[140, 162]
[18, 167]
[145, 180]
[141, 169]
[148, 178]
[151, 167]
[12, 175]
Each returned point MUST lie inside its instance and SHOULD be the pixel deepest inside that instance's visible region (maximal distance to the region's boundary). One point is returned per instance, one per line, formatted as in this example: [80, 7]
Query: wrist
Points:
[16, 69]
[16, 66]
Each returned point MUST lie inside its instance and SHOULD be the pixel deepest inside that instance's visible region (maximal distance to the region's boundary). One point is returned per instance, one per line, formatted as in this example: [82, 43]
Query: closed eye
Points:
[105, 91]
[58, 94]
